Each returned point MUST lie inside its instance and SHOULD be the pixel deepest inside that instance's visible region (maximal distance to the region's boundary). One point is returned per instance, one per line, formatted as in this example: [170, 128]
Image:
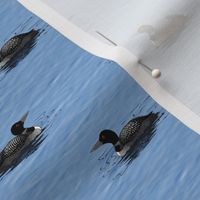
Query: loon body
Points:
[131, 132]
[16, 44]
[16, 145]
[25, 136]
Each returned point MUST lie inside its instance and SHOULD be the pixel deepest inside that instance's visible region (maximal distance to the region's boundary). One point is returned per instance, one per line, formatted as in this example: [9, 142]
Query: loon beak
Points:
[24, 117]
[96, 146]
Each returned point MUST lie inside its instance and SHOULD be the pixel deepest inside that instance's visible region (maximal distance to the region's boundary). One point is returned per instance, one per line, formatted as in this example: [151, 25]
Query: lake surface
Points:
[76, 95]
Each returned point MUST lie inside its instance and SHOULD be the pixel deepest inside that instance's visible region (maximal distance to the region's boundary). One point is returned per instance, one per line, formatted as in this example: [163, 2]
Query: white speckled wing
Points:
[129, 131]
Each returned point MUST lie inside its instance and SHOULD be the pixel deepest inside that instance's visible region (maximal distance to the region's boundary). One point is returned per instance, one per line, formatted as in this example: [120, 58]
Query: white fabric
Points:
[164, 34]
[164, 50]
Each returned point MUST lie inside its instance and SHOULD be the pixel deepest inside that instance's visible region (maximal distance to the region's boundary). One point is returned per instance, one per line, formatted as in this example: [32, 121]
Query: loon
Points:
[16, 44]
[129, 134]
[16, 145]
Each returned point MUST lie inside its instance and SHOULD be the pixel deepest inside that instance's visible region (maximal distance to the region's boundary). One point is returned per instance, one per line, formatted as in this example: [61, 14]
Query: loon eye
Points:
[103, 137]
[17, 125]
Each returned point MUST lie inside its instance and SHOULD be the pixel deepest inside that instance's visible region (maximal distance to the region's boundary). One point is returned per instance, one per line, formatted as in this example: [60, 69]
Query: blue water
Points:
[76, 95]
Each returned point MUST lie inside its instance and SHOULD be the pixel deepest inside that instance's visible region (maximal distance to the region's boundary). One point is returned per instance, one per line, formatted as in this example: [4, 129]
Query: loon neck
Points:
[118, 147]
[30, 129]
[115, 140]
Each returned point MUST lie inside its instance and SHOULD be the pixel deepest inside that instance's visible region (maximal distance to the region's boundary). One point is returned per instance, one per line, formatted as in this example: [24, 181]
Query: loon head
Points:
[107, 136]
[18, 127]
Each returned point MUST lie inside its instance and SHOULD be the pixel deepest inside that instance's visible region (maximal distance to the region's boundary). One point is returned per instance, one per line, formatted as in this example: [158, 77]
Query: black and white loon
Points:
[16, 145]
[129, 134]
[16, 44]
